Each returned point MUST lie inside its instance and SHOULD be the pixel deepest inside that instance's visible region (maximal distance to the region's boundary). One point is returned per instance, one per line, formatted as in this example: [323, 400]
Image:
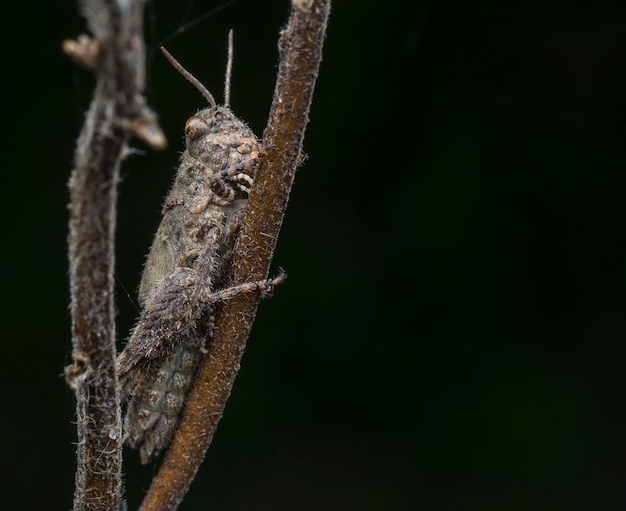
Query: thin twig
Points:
[115, 54]
[300, 55]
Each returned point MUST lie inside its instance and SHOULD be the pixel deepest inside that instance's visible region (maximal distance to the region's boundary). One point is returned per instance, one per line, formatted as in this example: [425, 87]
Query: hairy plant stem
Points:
[115, 54]
[300, 47]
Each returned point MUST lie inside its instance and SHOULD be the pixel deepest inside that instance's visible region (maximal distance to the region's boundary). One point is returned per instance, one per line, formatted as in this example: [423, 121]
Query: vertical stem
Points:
[116, 111]
[300, 55]
[93, 192]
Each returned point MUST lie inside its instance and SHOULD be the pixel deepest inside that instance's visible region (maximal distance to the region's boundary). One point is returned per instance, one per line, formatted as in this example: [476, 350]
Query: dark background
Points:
[451, 336]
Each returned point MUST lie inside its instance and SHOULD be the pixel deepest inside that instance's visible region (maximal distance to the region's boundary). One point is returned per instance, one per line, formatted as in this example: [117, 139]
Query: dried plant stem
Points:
[300, 55]
[115, 54]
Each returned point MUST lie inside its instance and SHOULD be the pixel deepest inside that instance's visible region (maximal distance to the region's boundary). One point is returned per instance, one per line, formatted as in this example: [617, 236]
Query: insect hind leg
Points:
[266, 288]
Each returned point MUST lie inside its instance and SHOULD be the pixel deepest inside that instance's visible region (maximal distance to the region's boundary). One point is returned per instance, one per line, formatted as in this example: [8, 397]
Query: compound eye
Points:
[195, 128]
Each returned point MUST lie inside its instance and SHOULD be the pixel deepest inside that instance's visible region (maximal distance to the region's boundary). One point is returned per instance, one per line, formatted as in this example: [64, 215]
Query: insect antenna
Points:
[188, 76]
[229, 69]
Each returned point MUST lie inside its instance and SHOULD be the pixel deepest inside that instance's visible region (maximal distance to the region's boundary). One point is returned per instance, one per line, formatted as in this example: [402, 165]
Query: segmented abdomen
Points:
[154, 410]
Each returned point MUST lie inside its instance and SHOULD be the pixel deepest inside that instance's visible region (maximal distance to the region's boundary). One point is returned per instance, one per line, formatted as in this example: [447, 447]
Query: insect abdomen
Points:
[154, 410]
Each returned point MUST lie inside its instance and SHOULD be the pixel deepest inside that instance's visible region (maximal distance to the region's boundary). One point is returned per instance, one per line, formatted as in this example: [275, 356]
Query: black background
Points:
[451, 335]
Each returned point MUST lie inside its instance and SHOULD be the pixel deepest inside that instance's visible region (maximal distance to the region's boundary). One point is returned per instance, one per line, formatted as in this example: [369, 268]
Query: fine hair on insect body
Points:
[187, 269]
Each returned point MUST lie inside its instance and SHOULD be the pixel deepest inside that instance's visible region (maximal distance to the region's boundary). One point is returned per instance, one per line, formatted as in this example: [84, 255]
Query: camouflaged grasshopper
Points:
[186, 268]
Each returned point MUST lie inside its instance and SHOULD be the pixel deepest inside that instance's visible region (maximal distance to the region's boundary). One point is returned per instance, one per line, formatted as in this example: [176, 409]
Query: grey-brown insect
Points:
[189, 259]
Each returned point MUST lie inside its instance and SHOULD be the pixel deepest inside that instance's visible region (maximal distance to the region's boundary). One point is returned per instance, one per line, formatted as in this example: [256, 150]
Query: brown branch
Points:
[300, 55]
[115, 54]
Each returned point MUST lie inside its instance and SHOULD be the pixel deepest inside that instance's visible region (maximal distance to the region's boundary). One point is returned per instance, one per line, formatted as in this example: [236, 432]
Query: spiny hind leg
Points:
[264, 286]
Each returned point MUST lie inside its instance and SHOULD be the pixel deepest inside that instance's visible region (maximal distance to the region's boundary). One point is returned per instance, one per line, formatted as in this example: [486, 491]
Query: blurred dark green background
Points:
[451, 336]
